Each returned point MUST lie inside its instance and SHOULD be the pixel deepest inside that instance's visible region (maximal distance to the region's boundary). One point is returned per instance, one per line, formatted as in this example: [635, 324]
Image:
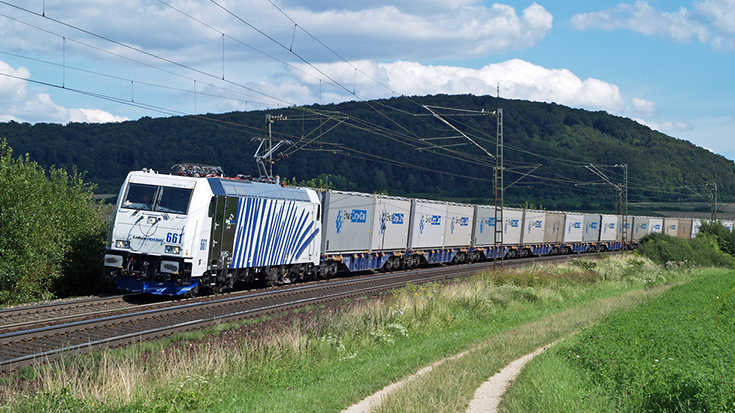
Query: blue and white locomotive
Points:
[172, 234]
[177, 234]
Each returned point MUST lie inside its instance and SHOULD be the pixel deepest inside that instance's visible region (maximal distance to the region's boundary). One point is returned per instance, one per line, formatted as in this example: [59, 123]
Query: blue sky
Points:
[668, 65]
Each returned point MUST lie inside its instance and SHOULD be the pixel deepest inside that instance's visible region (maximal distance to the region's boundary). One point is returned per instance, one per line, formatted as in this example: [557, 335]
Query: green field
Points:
[673, 354]
[326, 359]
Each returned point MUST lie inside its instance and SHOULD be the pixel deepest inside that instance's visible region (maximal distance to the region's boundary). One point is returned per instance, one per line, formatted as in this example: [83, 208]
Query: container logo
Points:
[594, 225]
[574, 225]
[462, 221]
[436, 220]
[397, 219]
[644, 226]
[534, 224]
[339, 221]
[513, 223]
[490, 222]
[358, 216]
[657, 227]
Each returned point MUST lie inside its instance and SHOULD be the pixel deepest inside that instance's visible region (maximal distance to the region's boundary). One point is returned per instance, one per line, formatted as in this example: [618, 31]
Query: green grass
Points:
[334, 358]
[673, 354]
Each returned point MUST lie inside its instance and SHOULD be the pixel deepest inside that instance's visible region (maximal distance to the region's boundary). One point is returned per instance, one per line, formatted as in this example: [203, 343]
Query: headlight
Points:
[170, 267]
[122, 244]
[173, 249]
[113, 261]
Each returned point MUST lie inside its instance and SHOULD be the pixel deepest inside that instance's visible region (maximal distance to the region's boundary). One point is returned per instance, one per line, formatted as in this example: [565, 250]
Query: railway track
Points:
[38, 345]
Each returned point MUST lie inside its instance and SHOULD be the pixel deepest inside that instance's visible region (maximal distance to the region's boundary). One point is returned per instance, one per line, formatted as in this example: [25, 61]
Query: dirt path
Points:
[370, 403]
[488, 395]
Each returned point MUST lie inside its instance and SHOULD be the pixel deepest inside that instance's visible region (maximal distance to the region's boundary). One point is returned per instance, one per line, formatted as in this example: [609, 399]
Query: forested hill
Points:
[391, 146]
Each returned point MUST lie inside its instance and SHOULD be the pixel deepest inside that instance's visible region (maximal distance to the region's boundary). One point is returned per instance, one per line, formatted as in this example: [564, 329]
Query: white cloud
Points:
[19, 103]
[373, 30]
[644, 108]
[518, 79]
[710, 21]
[669, 128]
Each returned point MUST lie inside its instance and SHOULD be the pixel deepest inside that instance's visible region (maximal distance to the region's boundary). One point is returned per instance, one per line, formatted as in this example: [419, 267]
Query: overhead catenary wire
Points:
[409, 137]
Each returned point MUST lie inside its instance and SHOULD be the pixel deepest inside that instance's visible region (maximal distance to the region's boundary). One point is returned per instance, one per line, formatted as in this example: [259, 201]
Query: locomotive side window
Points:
[174, 200]
[140, 197]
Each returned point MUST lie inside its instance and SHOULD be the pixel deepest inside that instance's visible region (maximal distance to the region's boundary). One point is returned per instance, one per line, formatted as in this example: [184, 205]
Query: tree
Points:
[51, 232]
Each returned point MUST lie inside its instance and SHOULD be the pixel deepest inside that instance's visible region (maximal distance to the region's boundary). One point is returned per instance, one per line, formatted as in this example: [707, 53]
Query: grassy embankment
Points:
[332, 358]
[674, 354]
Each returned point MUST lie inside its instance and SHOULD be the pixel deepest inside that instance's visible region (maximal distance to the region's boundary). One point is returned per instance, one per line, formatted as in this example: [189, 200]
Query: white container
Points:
[534, 226]
[348, 217]
[591, 231]
[391, 219]
[573, 227]
[727, 224]
[696, 226]
[458, 230]
[512, 223]
[428, 224]
[609, 228]
[484, 227]
[640, 227]
[655, 225]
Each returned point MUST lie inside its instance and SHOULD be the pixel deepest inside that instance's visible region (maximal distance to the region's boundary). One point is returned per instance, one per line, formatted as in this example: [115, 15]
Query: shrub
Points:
[51, 232]
[725, 238]
[702, 251]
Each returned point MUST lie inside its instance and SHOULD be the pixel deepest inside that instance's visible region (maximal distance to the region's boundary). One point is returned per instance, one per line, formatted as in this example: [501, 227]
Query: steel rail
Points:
[22, 348]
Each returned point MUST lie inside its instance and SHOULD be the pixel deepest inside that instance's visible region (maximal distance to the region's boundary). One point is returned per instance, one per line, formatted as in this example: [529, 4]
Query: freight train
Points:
[179, 234]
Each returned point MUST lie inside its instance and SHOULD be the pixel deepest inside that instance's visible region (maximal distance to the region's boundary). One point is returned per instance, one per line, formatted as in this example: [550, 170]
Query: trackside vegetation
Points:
[327, 358]
[51, 232]
[673, 354]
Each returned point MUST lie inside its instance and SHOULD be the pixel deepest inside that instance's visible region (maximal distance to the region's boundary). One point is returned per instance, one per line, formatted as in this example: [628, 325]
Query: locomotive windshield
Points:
[157, 198]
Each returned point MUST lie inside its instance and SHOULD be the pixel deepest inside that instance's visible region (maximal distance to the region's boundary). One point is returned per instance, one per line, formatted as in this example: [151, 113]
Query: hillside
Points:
[378, 147]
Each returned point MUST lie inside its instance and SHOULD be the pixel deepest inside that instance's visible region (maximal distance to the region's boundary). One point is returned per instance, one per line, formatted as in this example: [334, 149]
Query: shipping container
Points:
[554, 228]
[512, 222]
[348, 217]
[573, 227]
[639, 228]
[685, 228]
[727, 224]
[534, 223]
[390, 223]
[484, 228]
[591, 231]
[428, 224]
[608, 228]
[696, 226]
[655, 225]
[458, 231]
[628, 226]
[671, 226]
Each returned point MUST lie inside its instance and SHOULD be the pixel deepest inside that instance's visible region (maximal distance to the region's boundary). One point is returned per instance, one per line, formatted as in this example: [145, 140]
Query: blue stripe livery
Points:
[271, 232]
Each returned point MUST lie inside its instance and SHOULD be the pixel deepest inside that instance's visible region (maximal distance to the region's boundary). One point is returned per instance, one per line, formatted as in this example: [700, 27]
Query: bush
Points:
[725, 238]
[702, 251]
[51, 232]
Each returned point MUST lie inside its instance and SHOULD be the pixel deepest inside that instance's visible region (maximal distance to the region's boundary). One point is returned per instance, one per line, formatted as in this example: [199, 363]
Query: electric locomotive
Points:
[177, 234]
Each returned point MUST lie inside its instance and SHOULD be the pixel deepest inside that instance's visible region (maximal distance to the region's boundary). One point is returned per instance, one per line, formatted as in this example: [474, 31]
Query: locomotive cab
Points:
[155, 239]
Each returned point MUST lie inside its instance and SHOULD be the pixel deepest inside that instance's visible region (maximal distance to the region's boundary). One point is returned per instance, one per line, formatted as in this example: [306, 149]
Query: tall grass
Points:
[303, 363]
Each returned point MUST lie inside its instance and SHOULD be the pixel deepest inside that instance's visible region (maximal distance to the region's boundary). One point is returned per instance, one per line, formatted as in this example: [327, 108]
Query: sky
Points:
[667, 64]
